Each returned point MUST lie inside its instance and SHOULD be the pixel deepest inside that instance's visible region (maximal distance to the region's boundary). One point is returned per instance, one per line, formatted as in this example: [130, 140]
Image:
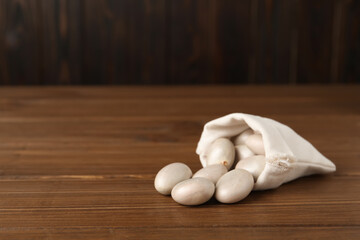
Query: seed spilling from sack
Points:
[255, 144]
[222, 151]
[193, 191]
[212, 172]
[170, 175]
[234, 186]
[214, 178]
[254, 165]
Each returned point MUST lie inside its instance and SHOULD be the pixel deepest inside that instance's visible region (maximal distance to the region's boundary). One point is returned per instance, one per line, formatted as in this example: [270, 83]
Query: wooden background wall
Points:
[179, 41]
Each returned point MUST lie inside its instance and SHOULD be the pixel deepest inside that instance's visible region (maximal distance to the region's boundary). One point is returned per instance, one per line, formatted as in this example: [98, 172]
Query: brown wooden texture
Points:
[79, 163]
[124, 41]
[351, 69]
[233, 41]
[61, 41]
[315, 49]
[179, 41]
[189, 41]
[20, 46]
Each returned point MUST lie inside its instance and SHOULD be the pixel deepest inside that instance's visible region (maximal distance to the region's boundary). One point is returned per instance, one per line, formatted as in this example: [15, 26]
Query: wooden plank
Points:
[20, 60]
[267, 30]
[274, 38]
[53, 162]
[338, 41]
[315, 36]
[233, 41]
[137, 191]
[72, 163]
[80, 163]
[61, 41]
[209, 233]
[178, 42]
[69, 161]
[128, 129]
[328, 94]
[285, 27]
[148, 42]
[124, 41]
[4, 69]
[105, 38]
[177, 108]
[189, 42]
[53, 234]
[209, 215]
[351, 71]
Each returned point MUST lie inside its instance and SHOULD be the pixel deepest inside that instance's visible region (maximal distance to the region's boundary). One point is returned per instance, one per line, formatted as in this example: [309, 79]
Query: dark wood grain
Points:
[4, 69]
[124, 41]
[285, 42]
[136, 42]
[189, 41]
[234, 42]
[351, 70]
[20, 42]
[61, 41]
[79, 163]
[265, 45]
[105, 37]
[314, 39]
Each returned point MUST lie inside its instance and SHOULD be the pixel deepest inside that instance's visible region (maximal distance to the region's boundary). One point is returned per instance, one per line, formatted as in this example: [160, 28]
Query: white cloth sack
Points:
[288, 155]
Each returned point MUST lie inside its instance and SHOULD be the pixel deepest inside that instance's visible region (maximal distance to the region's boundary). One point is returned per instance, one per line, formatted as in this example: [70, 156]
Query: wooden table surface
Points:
[79, 163]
